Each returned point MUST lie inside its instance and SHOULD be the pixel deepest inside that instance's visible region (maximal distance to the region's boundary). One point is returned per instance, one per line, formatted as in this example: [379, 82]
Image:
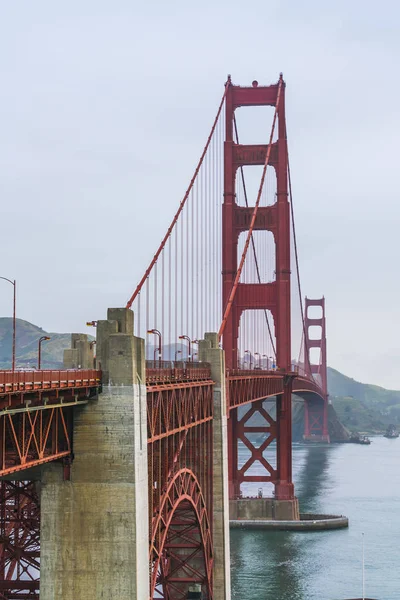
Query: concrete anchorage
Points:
[81, 354]
[94, 528]
[210, 352]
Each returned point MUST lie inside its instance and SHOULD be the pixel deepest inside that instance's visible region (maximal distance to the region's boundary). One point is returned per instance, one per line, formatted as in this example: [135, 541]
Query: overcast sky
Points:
[105, 107]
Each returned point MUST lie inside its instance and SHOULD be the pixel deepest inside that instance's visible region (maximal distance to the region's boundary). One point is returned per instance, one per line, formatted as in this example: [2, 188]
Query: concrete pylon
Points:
[80, 355]
[210, 352]
[94, 528]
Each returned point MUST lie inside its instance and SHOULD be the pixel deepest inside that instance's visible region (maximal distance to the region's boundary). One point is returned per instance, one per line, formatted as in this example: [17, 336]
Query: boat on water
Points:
[357, 438]
[391, 432]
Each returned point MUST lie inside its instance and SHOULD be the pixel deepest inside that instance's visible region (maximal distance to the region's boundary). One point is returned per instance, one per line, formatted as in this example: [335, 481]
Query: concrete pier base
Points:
[307, 522]
[209, 351]
[317, 439]
[94, 528]
[251, 509]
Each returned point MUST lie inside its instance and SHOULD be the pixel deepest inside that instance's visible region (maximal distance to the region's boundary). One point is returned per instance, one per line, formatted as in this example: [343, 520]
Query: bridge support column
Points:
[209, 351]
[316, 420]
[286, 505]
[94, 527]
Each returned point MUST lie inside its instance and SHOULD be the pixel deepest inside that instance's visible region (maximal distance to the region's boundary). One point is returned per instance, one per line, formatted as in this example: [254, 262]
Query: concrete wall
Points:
[264, 508]
[81, 354]
[209, 351]
[94, 528]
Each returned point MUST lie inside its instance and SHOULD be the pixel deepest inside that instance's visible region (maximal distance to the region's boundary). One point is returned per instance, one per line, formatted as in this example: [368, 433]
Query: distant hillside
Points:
[359, 406]
[27, 337]
[362, 406]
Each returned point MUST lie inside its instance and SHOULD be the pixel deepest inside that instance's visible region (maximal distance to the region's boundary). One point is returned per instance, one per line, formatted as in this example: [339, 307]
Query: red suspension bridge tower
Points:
[273, 296]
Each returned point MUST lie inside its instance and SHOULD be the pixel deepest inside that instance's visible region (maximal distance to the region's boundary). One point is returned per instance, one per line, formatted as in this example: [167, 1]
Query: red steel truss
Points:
[36, 409]
[244, 387]
[19, 541]
[180, 486]
[268, 431]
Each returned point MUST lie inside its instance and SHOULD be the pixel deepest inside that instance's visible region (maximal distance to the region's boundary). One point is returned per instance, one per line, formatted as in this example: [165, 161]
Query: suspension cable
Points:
[306, 349]
[182, 204]
[253, 220]
[252, 238]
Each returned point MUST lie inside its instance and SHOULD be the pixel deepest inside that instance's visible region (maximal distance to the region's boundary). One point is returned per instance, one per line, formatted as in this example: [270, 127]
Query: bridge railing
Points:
[165, 371]
[27, 381]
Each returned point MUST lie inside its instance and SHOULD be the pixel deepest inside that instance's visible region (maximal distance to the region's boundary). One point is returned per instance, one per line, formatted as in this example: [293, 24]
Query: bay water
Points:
[361, 482]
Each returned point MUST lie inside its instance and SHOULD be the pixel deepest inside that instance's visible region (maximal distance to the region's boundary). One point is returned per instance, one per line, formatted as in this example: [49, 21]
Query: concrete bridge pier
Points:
[209, 351]
[94, 527]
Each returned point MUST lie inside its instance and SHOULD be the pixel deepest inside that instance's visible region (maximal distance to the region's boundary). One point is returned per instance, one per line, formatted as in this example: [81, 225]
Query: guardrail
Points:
[29, 381]
[163, 371]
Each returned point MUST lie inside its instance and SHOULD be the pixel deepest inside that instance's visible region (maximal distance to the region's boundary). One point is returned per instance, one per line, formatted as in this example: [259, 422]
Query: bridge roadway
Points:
[35, 406]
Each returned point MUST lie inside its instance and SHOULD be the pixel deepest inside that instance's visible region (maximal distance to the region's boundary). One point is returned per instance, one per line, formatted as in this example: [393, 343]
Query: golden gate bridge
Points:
[117, 472]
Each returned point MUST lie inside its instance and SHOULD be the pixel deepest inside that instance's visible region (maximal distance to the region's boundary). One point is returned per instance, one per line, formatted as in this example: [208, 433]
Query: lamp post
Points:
[42, 339]
[159, 349]
[186, 337]
[259, 360]
[249, 353]
[13, 283]
[176, 353]
[265, 356]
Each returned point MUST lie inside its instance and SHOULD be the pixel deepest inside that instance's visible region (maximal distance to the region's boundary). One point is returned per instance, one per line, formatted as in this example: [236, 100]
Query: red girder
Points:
[305, 384]
[19, 541]
[176, 407]
[256, 452]
[247, 387]
[180, 486]
[36, 414]
[181, 541]
[31, 438]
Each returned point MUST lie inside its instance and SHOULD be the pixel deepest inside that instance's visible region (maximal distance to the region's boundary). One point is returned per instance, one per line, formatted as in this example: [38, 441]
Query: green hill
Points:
[362, 406]
[27, 337]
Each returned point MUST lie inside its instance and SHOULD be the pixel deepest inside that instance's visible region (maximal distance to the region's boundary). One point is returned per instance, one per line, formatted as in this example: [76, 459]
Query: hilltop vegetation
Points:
[27, 337]
[362, 406]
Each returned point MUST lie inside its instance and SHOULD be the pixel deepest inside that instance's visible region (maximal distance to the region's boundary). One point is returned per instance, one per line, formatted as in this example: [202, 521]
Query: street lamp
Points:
[249, 353]
[177, 352]
[159, 349]
[259, 359]
[13, 283]
[42, 339]
[186, 337]
[265, 356]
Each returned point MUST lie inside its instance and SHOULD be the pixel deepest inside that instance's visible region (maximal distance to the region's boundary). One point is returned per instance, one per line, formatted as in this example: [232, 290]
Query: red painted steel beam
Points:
[246, 389]
[265, 219]
[256, 296]
[19, 541]
[254, 96]
[34, 437]
[253, 154]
